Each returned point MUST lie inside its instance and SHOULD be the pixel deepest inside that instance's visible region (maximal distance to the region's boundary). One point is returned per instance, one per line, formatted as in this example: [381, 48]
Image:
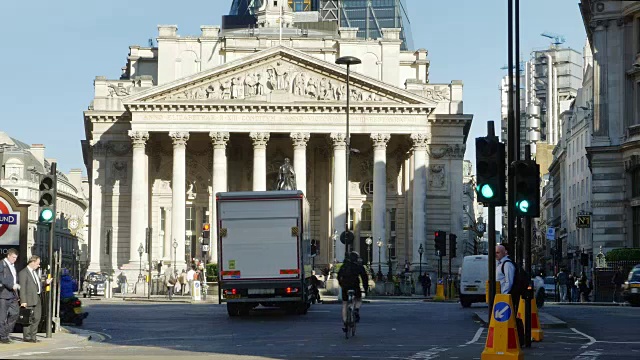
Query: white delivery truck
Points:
[473, 278]
[264, 250]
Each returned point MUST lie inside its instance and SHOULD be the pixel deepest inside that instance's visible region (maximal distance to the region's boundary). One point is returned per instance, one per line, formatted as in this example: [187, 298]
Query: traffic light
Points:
[490, 171]
[441, 242]
[206, 231]
[452, 245]
[314, 248]
[527, 188]
[584, 259]
[46, 202]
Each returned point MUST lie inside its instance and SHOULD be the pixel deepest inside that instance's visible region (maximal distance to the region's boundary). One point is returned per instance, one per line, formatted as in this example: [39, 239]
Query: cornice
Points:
[312, 107]
[105, 116]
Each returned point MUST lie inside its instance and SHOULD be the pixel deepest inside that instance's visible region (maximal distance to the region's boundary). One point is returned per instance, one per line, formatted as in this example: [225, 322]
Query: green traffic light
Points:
[523, 206]
[46, 215]
[487, 191]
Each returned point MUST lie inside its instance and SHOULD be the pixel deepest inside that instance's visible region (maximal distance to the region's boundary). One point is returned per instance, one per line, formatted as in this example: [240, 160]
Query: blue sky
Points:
[52, 51]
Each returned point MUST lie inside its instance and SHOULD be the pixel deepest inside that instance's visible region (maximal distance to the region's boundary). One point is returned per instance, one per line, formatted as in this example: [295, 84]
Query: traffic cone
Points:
[502, 338]
[536, 330]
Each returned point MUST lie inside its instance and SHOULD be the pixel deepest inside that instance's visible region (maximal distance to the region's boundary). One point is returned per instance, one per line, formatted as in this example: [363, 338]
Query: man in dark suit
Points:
[30, 289]
[9, 308]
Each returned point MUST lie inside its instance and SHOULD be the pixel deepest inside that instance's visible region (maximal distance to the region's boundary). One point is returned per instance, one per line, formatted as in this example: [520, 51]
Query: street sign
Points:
[481, 227]
[347, 237]
[502, 311]
[583, 222]
[205, 247]
[9, 224]
[551, 233]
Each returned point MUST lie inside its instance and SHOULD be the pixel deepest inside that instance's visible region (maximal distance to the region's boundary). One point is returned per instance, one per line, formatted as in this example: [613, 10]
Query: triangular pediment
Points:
[277, 75]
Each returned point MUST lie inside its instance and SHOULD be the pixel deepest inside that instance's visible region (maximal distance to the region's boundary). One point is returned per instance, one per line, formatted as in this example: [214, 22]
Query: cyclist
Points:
[349, 277]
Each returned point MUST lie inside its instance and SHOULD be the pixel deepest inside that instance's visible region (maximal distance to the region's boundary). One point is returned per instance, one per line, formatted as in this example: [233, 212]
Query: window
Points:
[635, 182]
[367, 188]
[392, 233]
[352, 215]
[392, 220]
[14, 191]
[365, 220]
[190, 219]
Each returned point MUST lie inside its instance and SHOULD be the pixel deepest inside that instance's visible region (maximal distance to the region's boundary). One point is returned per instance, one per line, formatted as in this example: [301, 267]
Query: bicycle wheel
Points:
[348, 324]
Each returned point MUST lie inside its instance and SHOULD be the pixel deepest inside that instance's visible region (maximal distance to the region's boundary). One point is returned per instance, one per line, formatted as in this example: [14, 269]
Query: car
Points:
[538, 291]
[631, 287]
[97, 283]
[550, 286]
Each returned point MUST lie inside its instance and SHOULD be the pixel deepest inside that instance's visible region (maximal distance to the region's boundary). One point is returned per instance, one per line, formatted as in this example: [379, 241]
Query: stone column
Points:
[178, 197]
[97, 231]
[419, 193]
[380, 187]
[300, 159]
[338, 184]
[219, 141]
[139, 196]
[259, 140]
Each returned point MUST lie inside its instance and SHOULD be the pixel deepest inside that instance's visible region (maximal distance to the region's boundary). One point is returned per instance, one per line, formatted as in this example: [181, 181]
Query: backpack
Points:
[520, 281]
[348, 275]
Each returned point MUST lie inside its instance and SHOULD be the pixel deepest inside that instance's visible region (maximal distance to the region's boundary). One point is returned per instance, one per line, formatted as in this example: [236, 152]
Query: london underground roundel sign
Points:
[9, 224]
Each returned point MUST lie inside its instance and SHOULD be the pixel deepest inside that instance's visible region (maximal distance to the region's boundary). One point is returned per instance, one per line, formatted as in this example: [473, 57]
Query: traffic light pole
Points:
[149, 251]
[52, 228]
[512, 126]
[527, 267]
[492, 257]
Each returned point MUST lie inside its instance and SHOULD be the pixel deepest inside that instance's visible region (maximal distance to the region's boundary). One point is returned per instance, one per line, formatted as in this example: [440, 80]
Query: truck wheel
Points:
[244, 310]
[233, 309]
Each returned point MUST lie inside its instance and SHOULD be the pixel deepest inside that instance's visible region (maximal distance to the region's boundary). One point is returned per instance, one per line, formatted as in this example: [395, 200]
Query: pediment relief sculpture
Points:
[278, 76]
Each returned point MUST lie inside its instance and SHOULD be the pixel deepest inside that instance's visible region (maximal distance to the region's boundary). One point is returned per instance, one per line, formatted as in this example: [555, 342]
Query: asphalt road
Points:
[389, 330]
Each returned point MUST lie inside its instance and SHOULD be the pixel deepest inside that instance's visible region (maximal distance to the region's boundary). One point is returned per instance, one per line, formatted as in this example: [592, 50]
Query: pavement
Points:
[118, 298]
[67, 338]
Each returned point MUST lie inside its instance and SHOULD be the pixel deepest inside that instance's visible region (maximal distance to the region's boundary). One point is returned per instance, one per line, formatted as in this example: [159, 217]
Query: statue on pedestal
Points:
[286, 176]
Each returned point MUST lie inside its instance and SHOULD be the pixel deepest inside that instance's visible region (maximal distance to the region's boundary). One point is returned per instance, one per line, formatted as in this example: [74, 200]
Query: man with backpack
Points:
[513, 281]
[349, 276]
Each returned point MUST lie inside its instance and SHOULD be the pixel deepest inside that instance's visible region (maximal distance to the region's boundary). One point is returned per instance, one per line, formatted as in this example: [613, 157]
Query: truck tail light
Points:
[291, 290]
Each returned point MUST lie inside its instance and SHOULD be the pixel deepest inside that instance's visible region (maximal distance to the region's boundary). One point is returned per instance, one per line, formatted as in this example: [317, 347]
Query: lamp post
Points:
[335, 237]
[369, 241]
[140, 252]
[175, 260]
[77, 258]
[347, 60]
[420, 251]
[379, 243]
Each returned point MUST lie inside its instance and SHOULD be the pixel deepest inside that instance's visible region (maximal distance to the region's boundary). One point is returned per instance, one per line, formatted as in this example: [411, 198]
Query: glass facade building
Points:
[369, 16]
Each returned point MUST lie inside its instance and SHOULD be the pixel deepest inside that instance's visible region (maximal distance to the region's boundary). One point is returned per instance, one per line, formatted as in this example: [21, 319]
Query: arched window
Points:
[367, 188]
[365, 218]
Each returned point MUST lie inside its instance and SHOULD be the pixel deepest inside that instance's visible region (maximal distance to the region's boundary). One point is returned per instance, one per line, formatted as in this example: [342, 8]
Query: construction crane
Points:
[557, 39]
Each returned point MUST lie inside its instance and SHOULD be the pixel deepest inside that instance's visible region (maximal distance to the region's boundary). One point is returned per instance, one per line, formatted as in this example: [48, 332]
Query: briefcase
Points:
[26, 316]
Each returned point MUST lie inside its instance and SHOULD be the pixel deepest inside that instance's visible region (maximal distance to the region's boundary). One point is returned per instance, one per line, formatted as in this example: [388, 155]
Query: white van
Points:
[473, 278]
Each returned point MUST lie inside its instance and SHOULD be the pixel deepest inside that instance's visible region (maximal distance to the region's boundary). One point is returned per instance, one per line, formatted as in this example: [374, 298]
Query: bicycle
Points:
[351, 314]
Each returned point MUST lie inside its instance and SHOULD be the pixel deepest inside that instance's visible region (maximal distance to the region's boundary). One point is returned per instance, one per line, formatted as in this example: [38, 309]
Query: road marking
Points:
[428, 354]
[592, 340]
[70, 348]
[618, 342]
[588, 355]
[318, 311]
[476, 337]
[31, 353]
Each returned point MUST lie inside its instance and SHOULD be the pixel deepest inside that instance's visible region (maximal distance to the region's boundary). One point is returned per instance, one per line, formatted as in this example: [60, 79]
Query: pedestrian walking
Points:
[617, 281]
[9, 307]
[170, 281]
[425, 281]
[122, 283]
[563, 281]
[190, 276]
[182, 280]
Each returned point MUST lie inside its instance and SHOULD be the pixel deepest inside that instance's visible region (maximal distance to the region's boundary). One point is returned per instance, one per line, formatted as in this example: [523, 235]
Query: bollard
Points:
[439, 291]
[536, 330]
[502, 338]
[486, 289]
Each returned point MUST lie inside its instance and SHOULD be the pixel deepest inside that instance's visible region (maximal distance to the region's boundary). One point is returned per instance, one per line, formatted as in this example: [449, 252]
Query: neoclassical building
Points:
[194, 116]
[22, 166]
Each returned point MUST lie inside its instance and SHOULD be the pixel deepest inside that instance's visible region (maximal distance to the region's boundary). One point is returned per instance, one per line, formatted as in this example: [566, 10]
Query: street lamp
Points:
[335, 237]
[347, 60]
[175, 259]
[140, 252]
[379, 243]
[420, 251]
[369, 241]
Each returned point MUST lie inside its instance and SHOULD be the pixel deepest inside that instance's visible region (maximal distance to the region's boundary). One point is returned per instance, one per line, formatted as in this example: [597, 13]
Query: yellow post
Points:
[439, 291]
[502, 338]
[536, 330]
[486, 295]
